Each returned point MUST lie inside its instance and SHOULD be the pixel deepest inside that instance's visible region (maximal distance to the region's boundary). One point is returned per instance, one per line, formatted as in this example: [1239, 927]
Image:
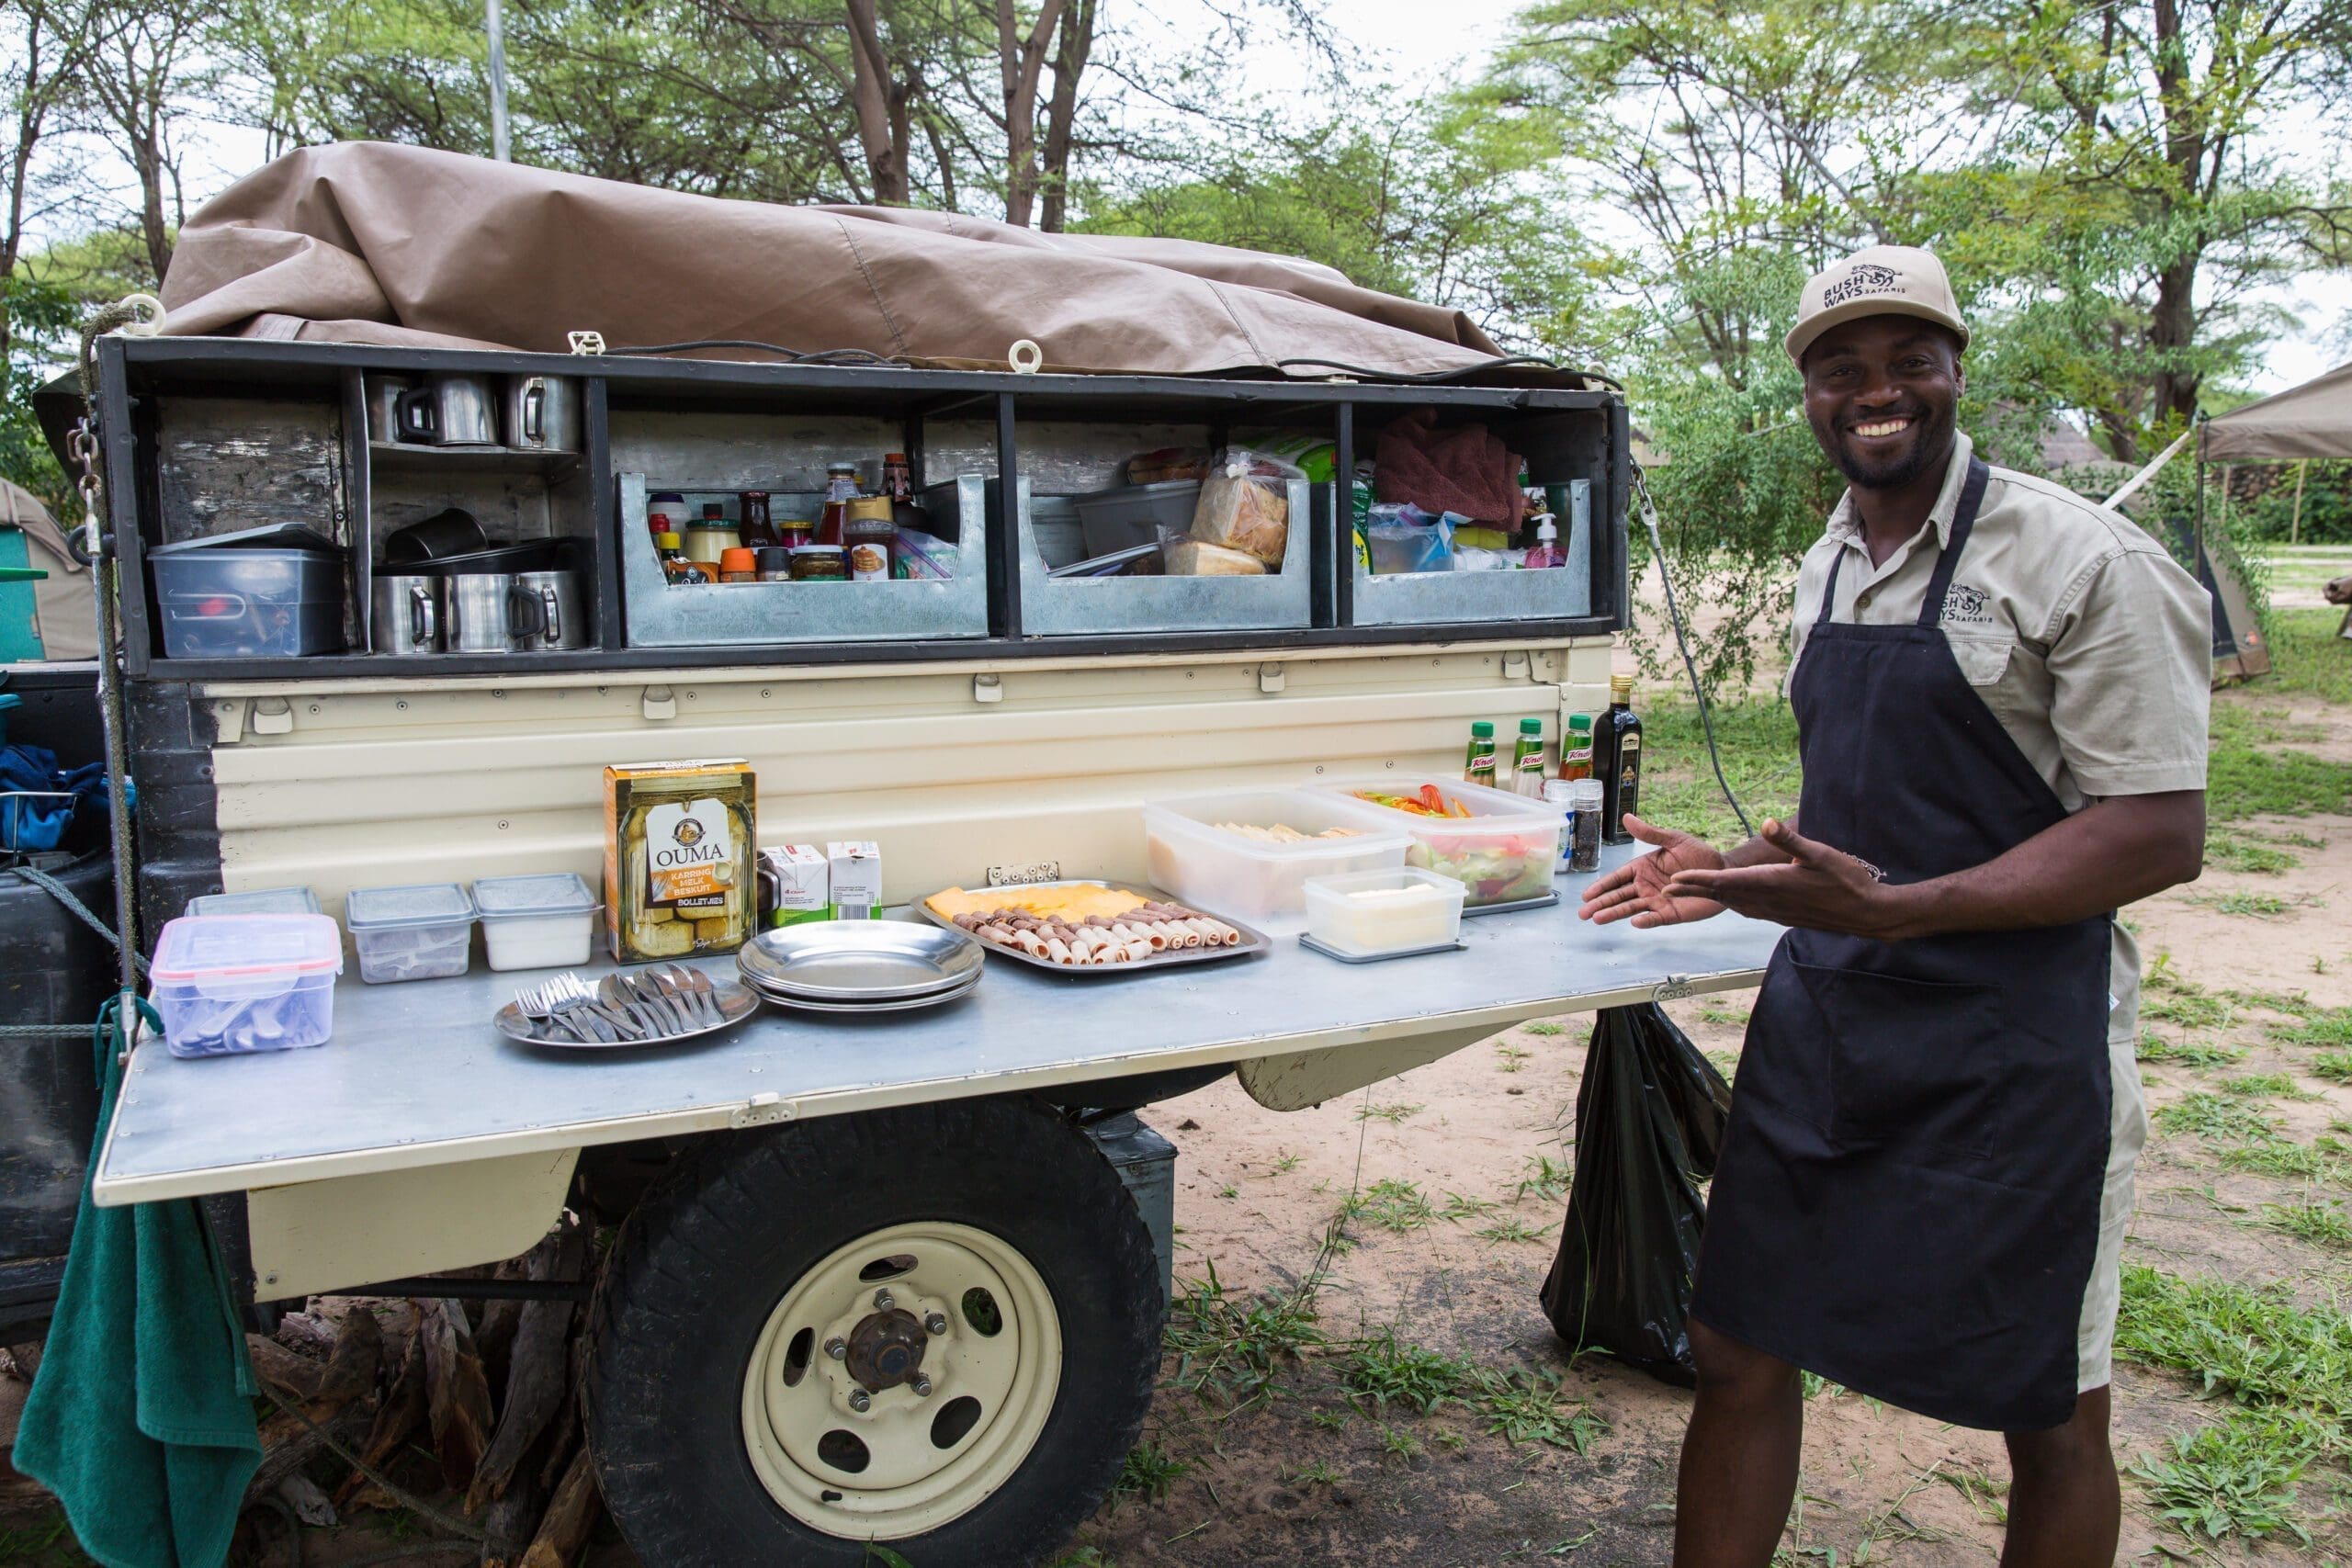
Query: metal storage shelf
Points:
[1066, 607]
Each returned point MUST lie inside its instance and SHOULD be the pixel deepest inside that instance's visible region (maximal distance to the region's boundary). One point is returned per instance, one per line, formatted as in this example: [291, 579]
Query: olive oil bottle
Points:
[1617, 761]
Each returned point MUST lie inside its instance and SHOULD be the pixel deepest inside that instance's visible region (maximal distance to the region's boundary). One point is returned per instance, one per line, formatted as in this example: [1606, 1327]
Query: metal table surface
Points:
[416, 1076]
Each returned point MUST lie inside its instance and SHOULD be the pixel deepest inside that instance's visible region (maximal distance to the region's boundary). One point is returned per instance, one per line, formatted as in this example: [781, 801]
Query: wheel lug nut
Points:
[920, 1385]
[936, 1323]
[860, 1401]
[837, 1348]
[884, 1301]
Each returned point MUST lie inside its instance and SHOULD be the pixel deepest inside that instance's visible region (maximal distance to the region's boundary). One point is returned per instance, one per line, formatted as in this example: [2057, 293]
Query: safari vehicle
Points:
[897, 1278]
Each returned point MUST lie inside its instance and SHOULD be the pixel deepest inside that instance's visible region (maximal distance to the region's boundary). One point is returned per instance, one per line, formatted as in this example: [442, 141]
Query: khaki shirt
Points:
[2081, 634]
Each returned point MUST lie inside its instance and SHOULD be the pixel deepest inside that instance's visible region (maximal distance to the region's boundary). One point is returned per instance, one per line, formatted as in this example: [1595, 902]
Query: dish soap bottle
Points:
[1479, 766]
[1617, 761]
[1547, 549]
[1527, 760]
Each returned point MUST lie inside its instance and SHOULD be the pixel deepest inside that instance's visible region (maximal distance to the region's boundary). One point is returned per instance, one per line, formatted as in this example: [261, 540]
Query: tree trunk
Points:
[1076, 42]
[881, 104]
[1022, 62]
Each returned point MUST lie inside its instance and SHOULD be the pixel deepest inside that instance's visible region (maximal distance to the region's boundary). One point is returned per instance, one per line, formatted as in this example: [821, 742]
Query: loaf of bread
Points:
[1198, 558]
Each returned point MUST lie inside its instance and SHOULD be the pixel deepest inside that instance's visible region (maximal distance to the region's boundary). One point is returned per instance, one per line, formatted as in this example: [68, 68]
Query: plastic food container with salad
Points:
[1500, 847]
[1248, 854]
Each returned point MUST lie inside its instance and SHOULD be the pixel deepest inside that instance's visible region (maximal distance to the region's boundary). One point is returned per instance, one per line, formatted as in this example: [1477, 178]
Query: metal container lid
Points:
[416, 904]
[533, 897]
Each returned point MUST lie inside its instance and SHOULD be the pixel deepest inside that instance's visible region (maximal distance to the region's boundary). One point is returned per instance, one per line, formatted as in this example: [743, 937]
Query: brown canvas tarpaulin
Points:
[2314, 420]
[372, 242]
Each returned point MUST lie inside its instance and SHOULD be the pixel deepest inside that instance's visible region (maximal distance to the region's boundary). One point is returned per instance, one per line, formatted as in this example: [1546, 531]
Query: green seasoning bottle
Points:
[1575, 748]
[1617, 761]
[1527, 760]
[1478, 767]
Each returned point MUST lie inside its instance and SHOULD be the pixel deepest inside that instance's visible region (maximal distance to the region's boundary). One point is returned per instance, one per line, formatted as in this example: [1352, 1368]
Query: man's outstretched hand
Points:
[1639, 889]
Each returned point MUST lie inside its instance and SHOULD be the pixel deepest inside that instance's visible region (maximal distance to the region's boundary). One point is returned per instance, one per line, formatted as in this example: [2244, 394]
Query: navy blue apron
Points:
[1908, 1197]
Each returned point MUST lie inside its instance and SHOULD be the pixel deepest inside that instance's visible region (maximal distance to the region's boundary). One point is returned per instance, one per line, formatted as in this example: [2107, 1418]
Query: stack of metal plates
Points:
[860, 965]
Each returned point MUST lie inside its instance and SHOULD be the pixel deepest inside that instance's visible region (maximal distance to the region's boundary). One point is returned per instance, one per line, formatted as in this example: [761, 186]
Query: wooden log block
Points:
[568, 1517]
[350, 1373]
[456, 1395]
[295, 1376]
[540, 1368]
[398, 1414]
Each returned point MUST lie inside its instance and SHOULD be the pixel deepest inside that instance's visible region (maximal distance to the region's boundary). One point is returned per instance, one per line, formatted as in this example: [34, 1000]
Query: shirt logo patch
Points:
[1967, 607]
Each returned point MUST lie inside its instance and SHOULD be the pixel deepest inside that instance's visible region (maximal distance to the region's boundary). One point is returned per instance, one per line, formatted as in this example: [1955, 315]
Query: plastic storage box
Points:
[536, 922]
[420, 932]
[1128, 515]
[1501, 853]
[262, 901]
[1375, 913]
[1211, 868]
[237, 604]
[231, 985]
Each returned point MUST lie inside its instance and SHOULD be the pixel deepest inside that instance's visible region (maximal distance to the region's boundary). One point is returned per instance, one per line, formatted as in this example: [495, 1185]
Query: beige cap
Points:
[1884, 281]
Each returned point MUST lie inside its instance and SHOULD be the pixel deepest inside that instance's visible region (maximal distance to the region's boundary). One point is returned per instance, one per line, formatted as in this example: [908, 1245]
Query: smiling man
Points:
[2000, 692]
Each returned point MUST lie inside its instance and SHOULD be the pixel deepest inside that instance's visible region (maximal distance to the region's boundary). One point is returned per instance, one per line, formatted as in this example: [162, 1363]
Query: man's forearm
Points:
[2099, 859]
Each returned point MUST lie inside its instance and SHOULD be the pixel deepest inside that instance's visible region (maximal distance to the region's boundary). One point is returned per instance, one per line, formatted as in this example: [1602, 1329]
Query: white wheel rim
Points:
[796, 1413]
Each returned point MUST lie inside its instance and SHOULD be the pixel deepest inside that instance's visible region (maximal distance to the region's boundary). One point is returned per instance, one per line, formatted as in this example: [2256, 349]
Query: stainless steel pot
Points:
[546, 614]
[542, 414]
[383, 405]
[478, 612]
[452, 409]
[404, 615]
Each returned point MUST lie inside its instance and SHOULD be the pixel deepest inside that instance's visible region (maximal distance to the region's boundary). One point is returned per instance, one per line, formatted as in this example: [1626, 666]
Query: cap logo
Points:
[1864, 277]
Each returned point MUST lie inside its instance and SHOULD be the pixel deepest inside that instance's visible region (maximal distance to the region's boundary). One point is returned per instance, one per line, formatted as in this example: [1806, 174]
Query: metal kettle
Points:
[541, 413]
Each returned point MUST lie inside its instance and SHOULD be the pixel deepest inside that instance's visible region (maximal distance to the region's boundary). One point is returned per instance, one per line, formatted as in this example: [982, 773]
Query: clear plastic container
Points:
[1375, 913]
[423, 932]
[232, 985]
[1210, 867]
[1128, 516]
[261, 902]
[240, 604]
[536, 922]
[1502, 853]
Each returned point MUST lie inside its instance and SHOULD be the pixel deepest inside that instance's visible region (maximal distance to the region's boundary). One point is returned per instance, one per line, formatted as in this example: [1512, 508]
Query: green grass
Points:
[1232, 1349]
[1285, 1163]
[2214, 1116]
[2322, 1161]
[2259, 905]
[1458, 1207]
[1509, 1058]
[2252, 1344]
[1512, 1229]
[2316, 1026]
[2168, 997]
[2335, 1066]
[2250, 773]
[1320, 1473]
[1546, 1178]
[2235, 1477]
[1525, 1405]
[1546, 1030]
[2154, 1047]
[1393, 1205]
[1757, 741]
[1386, 1371]
[1148, 1472]
[1398, 1444]
[2233, 851]
[1392, 1114]
[2265, 1085]
[2307, 656]
[2323, 1224]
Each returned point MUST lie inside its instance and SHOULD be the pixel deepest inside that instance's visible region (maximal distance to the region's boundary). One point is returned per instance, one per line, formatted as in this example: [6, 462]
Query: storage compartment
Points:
[423, 931]
[1072, 606]
[1501, 853]
[1457, 598]
[262, 901]
[233, 984]
[224, 603]
[1193, 854]
[1373, 914]
[1128, 516]
[536, 922]
[661, 614]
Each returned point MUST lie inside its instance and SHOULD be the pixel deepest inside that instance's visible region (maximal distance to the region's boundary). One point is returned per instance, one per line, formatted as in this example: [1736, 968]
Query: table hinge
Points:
[763, 1110]
[1674, 987]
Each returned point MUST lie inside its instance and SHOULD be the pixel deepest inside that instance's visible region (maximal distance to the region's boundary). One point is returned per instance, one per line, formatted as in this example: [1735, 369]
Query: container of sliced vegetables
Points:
[1500, 847]
[1248, 854]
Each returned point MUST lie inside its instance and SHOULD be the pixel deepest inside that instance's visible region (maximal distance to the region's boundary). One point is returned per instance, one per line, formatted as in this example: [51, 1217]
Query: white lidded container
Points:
[542, 921]
[1208, 867]
[1501, 853]
[233, 984]
[419, 932]
[261, 902]
[1373, 913]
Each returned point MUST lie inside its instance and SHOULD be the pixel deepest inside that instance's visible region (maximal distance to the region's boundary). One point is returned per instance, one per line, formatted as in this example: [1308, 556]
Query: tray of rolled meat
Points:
[1091, 928]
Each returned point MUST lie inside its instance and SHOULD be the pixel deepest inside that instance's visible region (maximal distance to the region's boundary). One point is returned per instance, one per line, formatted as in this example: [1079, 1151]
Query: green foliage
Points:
[1384, 1370]
[2154, 1047]
[2214, 1116]
[2323, 1224]
[2248, 774]
[2334, 1066]
[2324, 1160]
[1525, 1405]
[2235, 851]
[1148, 1473]
[41, 319]
[1546, 1178]
[2329, 1026]
[1232, 1349]
[1392, 1205]
[2235, 1477]
[2253, 1344]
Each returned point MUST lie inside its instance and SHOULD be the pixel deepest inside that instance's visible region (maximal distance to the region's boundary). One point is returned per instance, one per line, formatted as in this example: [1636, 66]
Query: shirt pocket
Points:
[1982, 657]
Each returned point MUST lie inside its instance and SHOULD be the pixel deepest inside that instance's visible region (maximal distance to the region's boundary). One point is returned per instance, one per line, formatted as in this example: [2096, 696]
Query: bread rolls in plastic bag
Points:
[1245, 504]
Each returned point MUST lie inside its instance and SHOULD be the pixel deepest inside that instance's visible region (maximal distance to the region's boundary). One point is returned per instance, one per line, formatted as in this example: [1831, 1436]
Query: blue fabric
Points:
[37, 820]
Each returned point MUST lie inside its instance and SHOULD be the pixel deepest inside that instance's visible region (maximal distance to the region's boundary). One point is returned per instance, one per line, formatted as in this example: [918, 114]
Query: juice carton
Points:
[857, 879]
[795, 884]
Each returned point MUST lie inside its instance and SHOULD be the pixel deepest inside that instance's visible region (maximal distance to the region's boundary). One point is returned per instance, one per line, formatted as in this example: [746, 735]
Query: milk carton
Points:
[795, 884]
[857, 879]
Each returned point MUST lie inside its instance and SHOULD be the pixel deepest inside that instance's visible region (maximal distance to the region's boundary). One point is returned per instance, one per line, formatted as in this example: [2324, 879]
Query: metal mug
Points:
[478, 612]
[452, 409]
[542, 414]
[546, 612]
[383, 405]
[405, 617]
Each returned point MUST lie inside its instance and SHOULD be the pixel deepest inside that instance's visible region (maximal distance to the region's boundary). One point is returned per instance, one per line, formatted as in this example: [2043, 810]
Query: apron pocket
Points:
[1912, 1063]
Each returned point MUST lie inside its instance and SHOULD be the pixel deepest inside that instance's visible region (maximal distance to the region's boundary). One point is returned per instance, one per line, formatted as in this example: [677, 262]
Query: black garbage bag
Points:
[1649, 1125]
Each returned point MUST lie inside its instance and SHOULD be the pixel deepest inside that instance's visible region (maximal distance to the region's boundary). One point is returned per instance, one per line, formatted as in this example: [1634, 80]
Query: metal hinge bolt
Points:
[837, 1348]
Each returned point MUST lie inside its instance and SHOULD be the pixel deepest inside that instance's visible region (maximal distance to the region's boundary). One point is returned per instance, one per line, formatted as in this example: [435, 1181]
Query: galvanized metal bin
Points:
[659, 614]
[1064, 607]
[1470, 598]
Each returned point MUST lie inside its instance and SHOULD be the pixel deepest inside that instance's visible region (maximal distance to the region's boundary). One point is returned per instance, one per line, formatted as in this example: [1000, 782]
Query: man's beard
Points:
[1930, 446]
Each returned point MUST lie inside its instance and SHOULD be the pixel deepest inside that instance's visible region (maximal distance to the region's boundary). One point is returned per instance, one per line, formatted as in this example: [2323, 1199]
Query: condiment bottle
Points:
[819, 563]
[898, 484]
[1562, 798]
[1617, 761]
[840, 489]
[871, 538]
[1527, 760]
[707, 539]
[675, 566]
[794, 532]
[1479, 766]
[1575, 748]
[1584, 850]
[738, 564]
[665, 512]
[1547, 549]
[774, 564]
[755, 529]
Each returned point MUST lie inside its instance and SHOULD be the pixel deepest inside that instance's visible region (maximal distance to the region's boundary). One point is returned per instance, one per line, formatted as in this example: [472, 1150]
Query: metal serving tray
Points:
[1253, 942]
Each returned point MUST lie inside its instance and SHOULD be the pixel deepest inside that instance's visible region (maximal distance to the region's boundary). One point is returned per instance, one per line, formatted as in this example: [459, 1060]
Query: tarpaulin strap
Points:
[80, 911]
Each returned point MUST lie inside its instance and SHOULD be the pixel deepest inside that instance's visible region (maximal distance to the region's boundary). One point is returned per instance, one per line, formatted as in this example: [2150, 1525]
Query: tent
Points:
[49, 617]
[2314, 420]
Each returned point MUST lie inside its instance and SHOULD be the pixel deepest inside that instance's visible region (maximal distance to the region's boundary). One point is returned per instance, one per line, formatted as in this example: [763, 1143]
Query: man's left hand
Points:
[1821, 889]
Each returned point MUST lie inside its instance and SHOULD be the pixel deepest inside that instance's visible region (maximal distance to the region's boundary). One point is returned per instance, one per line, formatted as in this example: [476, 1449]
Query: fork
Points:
[583, 997]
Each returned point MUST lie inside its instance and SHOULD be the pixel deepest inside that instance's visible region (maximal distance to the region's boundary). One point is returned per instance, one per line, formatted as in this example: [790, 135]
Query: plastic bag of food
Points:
[1198, 558]
[1245, 504]
[1650, 1117]
[1404, 539]
[921, 557]
[1470, 558]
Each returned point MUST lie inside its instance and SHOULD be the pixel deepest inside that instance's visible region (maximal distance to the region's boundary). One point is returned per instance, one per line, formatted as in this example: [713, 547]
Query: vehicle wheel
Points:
[937, 1328]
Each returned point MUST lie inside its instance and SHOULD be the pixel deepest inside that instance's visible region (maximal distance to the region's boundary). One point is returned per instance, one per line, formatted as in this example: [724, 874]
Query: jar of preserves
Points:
[871, 538]
[819, 563]
[707, 539]
[739, 564]
[793, 531]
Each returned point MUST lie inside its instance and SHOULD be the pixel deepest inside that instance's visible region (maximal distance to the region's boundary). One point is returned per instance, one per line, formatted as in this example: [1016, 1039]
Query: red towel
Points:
[1463, 469]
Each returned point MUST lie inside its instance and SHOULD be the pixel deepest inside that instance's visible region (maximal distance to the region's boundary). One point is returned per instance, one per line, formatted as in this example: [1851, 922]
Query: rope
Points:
[80, 911]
